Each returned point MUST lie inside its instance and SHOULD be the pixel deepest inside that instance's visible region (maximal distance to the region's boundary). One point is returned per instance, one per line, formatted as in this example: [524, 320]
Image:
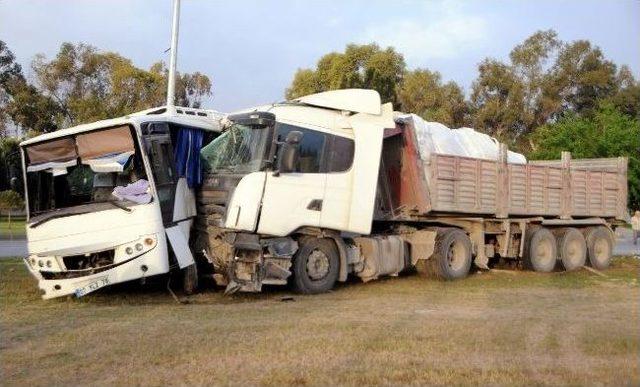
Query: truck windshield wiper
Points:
[120, 206]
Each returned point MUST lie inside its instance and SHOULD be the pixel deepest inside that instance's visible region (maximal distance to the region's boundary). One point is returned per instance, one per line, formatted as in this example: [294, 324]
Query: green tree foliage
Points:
[10, 200]
[360, 66]
[422, 92]
[21, 102]
[545, 79]
[10, 164]
[607, 132]
[90, 85]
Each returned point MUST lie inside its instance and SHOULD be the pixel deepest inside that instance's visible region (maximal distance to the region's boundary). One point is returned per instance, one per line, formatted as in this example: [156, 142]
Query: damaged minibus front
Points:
[113, 201]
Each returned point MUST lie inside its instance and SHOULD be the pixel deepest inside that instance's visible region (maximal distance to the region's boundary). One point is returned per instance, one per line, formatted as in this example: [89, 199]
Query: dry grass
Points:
[493, 328]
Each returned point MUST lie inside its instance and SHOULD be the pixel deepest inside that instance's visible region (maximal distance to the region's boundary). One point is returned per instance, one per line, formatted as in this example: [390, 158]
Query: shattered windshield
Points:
[241, 149]
[83, 169]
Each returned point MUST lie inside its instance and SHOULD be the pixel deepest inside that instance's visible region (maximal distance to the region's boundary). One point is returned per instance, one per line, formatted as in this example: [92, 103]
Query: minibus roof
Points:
[204, 119]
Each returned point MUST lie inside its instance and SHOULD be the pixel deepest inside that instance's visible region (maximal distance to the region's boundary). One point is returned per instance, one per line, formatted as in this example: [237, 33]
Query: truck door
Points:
[293, 200]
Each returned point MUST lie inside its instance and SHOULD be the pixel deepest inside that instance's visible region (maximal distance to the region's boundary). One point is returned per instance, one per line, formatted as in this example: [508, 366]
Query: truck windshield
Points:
[81, 170]
[241, 149]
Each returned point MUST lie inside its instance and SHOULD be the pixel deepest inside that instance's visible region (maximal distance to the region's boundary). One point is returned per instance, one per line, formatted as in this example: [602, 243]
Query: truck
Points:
[310, 191]
[304, 192]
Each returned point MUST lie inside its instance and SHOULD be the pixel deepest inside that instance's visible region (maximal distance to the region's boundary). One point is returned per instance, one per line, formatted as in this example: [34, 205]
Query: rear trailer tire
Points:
[190, 279]
[451, 257]
[572, 248]
[541, 251]
[316, 266]
[599, 247]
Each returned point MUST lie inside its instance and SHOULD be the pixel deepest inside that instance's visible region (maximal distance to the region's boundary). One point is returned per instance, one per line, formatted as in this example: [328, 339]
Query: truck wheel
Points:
[572, 248]
[451, 258]
[599, 247]
[315, 266]
[541, 251]
[190, 279]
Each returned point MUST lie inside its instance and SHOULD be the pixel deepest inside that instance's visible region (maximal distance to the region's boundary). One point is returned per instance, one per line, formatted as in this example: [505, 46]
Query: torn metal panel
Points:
[180, 245]
[422, 244]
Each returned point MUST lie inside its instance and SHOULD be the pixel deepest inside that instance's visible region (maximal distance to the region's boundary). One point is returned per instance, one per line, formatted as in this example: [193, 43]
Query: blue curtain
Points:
[187, 155]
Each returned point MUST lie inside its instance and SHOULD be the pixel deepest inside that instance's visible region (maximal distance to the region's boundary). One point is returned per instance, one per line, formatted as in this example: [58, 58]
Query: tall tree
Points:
[544, 80]
[20, 102]
[422, 92]
[90, 85]
[498, 100]
[360, 66]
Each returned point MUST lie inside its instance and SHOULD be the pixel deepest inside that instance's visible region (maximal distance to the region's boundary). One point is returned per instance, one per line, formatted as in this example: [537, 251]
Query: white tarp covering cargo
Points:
[434, 137]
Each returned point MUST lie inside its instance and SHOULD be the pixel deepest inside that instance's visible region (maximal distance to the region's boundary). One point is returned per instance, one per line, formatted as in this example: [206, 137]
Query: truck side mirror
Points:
[289, 152]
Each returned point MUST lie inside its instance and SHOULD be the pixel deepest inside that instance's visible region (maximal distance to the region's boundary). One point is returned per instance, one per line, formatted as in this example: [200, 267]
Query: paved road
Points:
[18, 248]
[13, 248]
[625, 246]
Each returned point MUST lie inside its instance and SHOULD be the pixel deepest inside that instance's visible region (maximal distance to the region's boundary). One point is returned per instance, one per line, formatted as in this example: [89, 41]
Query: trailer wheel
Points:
[316, 266]
[451, 258]
[541, 250]
[572, 248]
[190, 279]
[599, 247]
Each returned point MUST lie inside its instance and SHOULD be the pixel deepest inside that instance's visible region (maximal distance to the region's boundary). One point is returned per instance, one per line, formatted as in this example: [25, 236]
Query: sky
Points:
[251, 49]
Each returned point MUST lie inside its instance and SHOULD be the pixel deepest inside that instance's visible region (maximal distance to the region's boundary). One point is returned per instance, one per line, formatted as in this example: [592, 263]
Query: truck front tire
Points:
[316, 266]
[451, 259]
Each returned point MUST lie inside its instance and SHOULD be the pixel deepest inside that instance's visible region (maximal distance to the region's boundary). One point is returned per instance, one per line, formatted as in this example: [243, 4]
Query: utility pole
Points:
[171, 82]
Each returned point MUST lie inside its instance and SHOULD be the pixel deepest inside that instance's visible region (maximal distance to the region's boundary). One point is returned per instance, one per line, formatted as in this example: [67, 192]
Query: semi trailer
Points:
[310, 191]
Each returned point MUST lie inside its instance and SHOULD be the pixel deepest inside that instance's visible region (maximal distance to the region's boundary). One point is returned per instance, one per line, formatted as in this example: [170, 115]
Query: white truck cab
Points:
[104, 198]
[285, 170]
[309, 191]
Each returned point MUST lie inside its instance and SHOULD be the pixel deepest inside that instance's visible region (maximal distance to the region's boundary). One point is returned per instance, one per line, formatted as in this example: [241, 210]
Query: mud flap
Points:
[180, 245]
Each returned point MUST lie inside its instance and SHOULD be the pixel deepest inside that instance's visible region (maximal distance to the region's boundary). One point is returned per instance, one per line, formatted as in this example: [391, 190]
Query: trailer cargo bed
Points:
[411, 187]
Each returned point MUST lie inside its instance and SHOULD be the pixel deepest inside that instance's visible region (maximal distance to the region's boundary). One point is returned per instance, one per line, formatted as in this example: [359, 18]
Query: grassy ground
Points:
[17, 229]
[492, 328]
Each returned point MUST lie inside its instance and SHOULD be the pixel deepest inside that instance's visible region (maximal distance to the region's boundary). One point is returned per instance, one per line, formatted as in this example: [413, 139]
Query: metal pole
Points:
[171, 82]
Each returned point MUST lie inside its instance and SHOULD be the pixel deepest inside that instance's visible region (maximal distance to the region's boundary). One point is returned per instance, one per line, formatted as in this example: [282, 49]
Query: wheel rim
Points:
[317, 265]
[456, 256]
[601, 250]
[544, 252]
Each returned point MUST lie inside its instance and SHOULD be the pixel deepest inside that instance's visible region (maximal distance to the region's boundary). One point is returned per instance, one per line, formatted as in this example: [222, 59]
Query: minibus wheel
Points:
[190, 279]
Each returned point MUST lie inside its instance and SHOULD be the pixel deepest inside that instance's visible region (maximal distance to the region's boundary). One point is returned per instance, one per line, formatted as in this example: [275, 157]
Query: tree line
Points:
[82, 84]
[549, 96]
